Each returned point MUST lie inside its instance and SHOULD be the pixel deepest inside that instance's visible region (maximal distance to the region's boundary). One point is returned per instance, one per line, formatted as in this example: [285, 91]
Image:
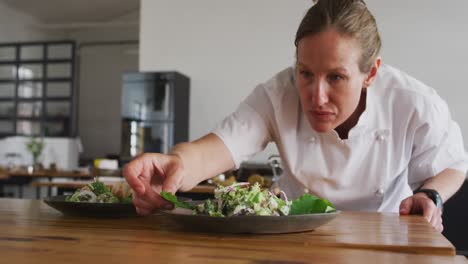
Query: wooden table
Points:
[32, 232]
[201, 190]
[80, 183]
[4, 175]
[84, 178]
[51, 174]
[23, 177]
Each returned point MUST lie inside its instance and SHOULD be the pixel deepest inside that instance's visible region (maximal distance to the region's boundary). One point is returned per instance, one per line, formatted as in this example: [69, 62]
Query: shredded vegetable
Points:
[242, 199]
[98, 192]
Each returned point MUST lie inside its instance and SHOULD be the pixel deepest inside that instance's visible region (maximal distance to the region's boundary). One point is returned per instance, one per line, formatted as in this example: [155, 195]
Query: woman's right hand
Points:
[151, 173]
[148, 175]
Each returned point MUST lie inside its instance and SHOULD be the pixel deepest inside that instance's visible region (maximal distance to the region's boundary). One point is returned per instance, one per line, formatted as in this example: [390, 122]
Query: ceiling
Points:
[74, 11]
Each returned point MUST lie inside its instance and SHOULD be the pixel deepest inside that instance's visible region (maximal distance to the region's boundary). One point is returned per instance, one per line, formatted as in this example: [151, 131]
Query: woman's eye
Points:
[335, 77]
[305, 74]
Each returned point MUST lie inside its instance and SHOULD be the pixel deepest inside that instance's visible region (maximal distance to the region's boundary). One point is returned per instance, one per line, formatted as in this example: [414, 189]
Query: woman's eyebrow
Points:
[298, 63]
[339, 69]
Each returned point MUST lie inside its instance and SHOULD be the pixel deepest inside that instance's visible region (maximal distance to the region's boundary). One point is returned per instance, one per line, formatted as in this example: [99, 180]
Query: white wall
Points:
[100, 83]
[429, 40]
[101, 69]
[120, 31]
[16, 26]
[227, 47]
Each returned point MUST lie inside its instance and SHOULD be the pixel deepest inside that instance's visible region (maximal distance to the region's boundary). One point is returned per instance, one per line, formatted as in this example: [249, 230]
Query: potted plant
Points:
[35, 147]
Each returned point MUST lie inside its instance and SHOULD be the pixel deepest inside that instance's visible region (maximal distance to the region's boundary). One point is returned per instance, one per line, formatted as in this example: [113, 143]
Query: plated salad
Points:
[98, 192]
[243, 199]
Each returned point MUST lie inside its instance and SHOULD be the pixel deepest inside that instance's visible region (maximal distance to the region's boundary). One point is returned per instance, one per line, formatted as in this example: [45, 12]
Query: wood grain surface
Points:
[80, 183]
[32, 232]
[51, 174]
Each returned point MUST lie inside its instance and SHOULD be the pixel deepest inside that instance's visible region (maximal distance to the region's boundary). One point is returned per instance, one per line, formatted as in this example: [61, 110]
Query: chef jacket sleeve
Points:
[247, 131]
[438, 142]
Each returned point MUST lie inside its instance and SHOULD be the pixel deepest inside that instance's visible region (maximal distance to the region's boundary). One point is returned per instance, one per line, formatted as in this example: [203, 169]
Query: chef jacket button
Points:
[379, 192]
[312, 140]
[380, 137]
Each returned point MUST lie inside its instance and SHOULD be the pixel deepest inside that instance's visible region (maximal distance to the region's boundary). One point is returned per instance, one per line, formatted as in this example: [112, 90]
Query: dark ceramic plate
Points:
[90, 209]
[248, 224]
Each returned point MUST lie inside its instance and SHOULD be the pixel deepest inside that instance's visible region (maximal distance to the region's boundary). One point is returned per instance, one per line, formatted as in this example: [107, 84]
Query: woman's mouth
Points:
[323, 116]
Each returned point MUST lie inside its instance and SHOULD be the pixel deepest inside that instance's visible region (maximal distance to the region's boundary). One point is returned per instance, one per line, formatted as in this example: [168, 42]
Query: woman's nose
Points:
[319, 94]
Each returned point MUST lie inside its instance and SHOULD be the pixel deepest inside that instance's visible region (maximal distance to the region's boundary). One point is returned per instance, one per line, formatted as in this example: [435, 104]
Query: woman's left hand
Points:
[423, 205]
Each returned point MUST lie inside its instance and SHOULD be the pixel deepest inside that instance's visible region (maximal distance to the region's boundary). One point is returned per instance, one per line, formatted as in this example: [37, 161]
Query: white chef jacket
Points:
[405, 136]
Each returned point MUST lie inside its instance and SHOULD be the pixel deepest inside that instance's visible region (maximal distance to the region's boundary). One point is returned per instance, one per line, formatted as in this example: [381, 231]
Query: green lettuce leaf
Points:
[173, 199]
[99, 187]
[310, 204]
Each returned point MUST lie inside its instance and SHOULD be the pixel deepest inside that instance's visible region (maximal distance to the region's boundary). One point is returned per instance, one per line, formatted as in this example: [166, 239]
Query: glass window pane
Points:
[35, 52]
[7, 108]
[7, 90]
[7, 72]
[30, 90]
[7, 53]
[59, 70]
[30, 71]
[58, 109]
[6, 127]
[58, 89]
[55, 129]
[30, 109]
[59, 51]
[28, 128]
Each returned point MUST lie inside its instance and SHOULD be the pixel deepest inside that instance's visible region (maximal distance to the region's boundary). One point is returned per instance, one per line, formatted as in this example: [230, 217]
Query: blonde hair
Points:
[348, 17]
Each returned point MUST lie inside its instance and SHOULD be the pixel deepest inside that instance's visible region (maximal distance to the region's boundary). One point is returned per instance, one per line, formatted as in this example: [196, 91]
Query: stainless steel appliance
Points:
[155, 112]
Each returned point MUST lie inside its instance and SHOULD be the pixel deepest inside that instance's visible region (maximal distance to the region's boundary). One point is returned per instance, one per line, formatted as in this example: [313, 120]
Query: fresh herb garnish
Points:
[310, 204]
[173, 199]
[99, 187]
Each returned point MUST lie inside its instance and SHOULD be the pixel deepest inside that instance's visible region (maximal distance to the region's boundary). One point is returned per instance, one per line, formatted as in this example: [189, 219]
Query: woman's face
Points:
[328, 78]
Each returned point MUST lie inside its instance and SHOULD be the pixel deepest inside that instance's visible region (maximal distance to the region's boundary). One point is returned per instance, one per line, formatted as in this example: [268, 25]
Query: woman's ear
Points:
[373, 72]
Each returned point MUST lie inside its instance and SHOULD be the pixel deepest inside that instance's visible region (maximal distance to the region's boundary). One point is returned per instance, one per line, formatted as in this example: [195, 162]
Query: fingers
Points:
[425, 206]
[406, 205]
[142, 207]
[142, 170]
[145, 207]
[432, 214]
[147, 176]
[131, 173]
[429, 210]
[150, 202]
[173, 181]
[438, 220]
[440, 228]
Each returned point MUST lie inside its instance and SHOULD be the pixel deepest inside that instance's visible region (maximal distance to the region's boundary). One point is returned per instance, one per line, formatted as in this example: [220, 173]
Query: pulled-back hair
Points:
[347, 17]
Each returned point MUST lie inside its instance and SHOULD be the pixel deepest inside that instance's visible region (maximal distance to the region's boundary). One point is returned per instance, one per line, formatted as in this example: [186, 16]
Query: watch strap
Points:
[433, 195]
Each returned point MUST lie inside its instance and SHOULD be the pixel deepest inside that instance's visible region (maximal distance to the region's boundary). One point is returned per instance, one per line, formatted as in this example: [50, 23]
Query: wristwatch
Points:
[433, 195]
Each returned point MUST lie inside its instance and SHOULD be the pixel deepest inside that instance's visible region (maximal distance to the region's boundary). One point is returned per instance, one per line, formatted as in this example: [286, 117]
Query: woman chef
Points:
[348, 128]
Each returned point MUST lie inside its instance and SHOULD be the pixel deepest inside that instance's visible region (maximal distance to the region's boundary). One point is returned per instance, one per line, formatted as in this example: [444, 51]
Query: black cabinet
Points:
[155, 112]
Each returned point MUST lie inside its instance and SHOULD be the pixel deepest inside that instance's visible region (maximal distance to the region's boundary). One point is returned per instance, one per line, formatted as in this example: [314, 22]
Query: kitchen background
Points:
[106, 35]
[225, 48]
